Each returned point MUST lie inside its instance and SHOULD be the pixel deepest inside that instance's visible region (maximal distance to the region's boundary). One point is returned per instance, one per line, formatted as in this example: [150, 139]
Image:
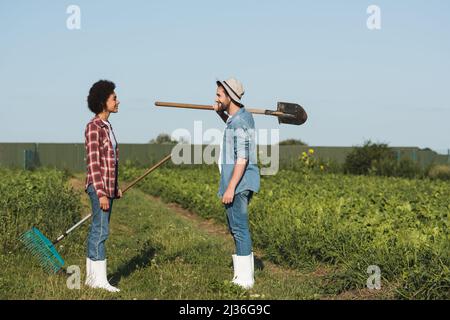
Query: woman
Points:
[101, 180]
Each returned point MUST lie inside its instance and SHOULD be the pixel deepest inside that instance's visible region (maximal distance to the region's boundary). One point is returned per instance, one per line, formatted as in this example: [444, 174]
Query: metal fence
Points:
[71, 156]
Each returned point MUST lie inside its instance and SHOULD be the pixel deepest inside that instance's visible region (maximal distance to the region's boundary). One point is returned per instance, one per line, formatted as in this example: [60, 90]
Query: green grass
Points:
[314, 236]
[153, 253]
[40, 198]
[304, 219]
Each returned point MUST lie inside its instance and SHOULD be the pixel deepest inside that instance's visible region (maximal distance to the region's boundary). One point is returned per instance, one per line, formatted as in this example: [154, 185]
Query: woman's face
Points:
[112, 104]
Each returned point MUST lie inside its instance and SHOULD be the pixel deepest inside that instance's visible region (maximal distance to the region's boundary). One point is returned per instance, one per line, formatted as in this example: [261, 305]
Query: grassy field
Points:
[155, 251]
[158, 250]
[348, 223]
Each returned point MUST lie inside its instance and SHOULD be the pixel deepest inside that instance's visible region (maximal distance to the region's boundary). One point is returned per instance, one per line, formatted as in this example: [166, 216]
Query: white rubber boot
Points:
[244, 273]
[253, 266]
[98, 277]
[88, 271]
[234, 266]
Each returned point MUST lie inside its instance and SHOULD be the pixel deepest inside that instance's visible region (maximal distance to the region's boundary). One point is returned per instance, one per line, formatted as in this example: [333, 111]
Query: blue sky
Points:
[389, 85]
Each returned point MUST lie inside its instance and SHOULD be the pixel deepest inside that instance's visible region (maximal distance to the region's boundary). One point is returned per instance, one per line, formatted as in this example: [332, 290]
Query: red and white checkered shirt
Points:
[102, 166]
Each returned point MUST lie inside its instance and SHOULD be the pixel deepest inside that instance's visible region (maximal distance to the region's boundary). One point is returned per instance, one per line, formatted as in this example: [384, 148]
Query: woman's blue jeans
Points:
[237, 217]
[99, 231]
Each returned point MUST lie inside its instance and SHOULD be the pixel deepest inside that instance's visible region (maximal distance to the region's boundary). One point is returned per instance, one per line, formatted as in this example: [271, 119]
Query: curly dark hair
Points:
[99, 94]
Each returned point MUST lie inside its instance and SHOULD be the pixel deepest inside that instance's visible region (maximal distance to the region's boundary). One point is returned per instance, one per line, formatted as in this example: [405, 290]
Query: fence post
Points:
[29, 161]
[414, 155]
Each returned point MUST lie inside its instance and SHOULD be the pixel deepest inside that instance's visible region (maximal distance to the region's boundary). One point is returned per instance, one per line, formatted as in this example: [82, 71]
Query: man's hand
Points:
[119, 194]
[228, 196]
[104, 203]
[238, 172]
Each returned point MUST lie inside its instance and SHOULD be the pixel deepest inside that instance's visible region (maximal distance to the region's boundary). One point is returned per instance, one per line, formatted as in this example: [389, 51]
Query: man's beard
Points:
[223, 106]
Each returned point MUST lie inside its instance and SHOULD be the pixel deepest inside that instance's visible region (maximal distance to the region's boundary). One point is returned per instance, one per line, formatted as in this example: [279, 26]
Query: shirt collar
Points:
[99, 122]
[241, 110]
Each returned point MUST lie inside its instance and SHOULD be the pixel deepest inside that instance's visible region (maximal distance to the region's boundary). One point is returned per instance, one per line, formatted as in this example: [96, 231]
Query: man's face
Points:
[222, 98]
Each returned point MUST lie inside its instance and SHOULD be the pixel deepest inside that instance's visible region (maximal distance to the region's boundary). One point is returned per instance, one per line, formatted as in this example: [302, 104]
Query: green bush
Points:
[405, 168]
[380, 160]
[290, 142]
[41, 198]
[369, 158]
[439, 172]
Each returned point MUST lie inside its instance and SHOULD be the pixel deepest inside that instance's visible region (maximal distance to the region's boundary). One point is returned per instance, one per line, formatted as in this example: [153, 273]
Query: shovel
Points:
[289, 113]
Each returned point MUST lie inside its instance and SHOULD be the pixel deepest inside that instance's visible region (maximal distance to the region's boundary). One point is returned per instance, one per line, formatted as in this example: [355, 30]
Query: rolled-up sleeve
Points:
[242, 138]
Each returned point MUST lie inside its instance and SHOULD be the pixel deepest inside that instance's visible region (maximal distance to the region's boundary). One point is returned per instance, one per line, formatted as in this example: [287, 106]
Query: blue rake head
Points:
[43, 249]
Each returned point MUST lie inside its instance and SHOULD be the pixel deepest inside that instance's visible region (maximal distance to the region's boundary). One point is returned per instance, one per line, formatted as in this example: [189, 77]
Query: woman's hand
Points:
[104, 203]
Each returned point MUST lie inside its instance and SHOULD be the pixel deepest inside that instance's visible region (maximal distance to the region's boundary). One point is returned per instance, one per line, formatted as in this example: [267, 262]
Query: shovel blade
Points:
[294, 113]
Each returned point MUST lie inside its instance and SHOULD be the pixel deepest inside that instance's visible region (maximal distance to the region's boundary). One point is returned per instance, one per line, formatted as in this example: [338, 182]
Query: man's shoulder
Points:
[244, 119]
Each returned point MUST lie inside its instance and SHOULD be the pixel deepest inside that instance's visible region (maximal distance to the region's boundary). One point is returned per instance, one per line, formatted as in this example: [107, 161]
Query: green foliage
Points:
[40, 198]
[439, 172]
[153, 253]
[405, 168]
[290, 142]
[369, 157]
[379, 159]
[351, 222]
[163, 138]
[307, 163]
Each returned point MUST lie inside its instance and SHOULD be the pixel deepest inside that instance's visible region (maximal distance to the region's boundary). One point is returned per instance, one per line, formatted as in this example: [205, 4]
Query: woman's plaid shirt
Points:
[101, 165]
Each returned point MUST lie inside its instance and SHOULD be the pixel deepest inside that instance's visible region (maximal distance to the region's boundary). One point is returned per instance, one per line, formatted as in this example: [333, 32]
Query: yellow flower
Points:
[321, 168]
[311, 151]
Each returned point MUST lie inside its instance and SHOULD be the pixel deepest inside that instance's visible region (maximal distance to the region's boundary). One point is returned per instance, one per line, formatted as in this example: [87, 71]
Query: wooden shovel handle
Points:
[208, 107]
[183, 105]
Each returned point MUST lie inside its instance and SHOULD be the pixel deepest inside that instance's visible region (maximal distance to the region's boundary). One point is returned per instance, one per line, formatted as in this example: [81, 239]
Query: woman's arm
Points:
[93, 160]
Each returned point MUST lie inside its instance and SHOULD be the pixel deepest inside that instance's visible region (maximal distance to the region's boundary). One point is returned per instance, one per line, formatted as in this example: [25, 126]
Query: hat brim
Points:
[230, 92]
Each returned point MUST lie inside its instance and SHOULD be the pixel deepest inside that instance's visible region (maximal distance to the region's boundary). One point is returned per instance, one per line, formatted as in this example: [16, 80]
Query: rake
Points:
[40, 247]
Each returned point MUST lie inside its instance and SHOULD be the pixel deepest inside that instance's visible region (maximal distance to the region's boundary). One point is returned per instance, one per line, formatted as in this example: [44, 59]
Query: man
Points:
[239, 177]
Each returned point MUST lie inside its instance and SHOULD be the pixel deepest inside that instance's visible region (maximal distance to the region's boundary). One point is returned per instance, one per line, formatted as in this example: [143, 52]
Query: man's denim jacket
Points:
[239, 142]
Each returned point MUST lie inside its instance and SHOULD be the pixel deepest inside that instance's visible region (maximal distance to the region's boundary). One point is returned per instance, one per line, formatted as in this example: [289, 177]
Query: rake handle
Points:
[165, 159]
[79, 223]
[208, 107]
[72, 228]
